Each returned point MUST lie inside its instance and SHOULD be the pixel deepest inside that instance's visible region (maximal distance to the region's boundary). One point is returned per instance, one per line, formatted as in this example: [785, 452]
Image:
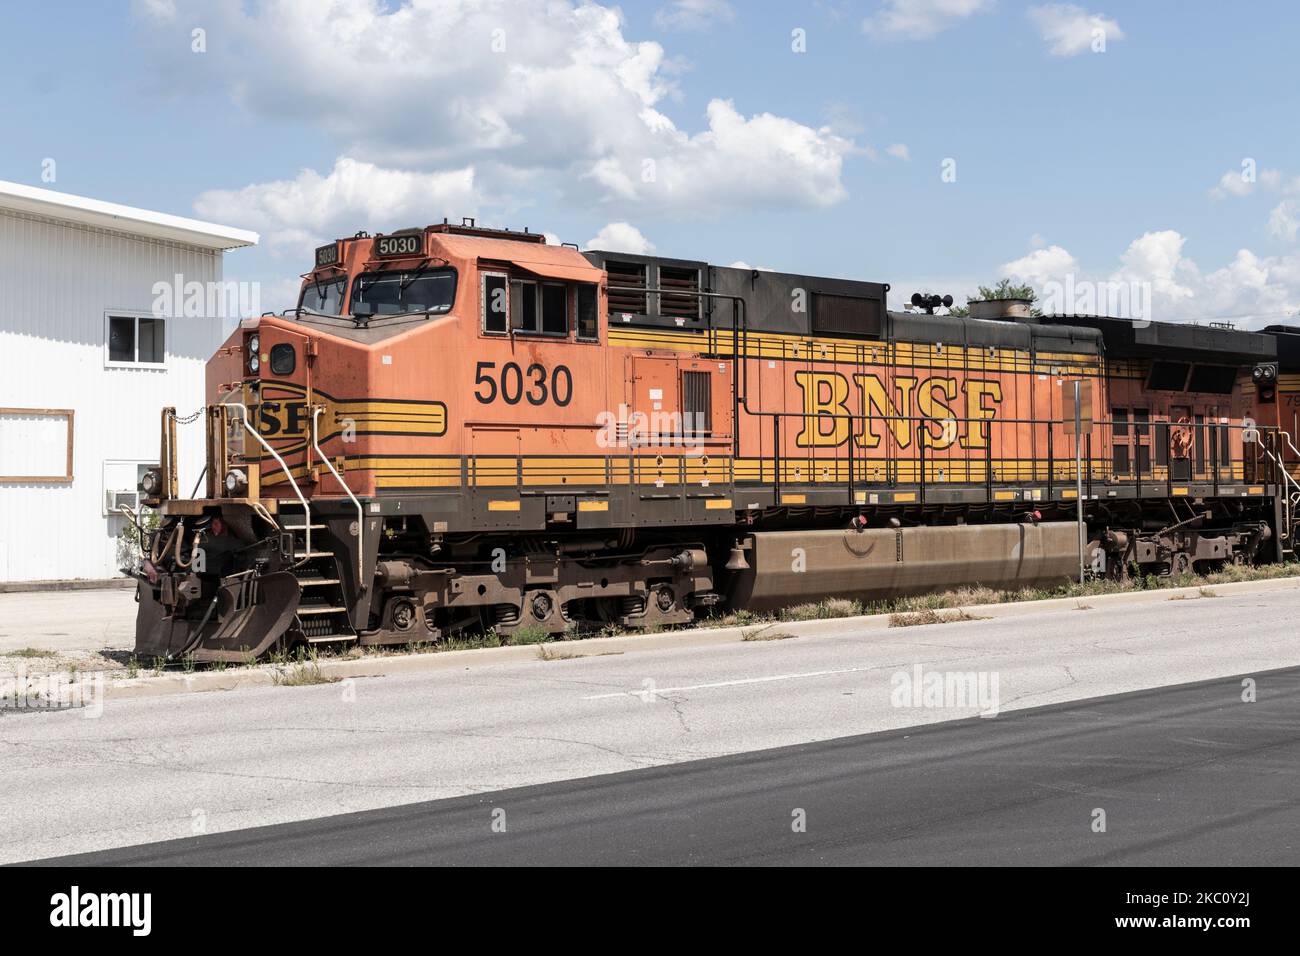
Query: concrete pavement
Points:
[164, 768]
[1136, 779]
[68, 621]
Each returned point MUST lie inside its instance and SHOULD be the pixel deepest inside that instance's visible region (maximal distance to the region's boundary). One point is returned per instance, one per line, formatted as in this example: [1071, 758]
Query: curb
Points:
[171, 684]
[76, 584]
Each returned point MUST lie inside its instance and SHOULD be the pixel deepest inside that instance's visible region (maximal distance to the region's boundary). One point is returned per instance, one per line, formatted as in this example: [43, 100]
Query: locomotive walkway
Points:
[1173, 768]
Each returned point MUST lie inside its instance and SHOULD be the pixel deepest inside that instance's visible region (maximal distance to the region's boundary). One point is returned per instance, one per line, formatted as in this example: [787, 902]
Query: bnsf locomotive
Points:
[464, 428]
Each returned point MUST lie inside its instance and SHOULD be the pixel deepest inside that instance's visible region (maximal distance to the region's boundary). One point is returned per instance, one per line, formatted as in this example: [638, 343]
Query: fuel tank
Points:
[788, 567]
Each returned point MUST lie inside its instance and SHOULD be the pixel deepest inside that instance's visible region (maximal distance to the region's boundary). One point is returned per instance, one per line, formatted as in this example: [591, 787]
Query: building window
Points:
[136, 340]
[1119, 420]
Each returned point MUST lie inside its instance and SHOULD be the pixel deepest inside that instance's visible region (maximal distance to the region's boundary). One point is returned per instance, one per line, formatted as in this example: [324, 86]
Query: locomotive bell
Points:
[736, 561]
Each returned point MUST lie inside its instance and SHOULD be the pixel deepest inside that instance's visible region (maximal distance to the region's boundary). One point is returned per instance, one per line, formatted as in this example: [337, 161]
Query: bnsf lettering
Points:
[515, 384]
[937, 398]
[280, 418]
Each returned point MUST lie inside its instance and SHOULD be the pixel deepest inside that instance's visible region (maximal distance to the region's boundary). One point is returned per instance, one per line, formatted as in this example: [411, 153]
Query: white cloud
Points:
[552, 93]
[920, 19]
[163, 11]
[1041, 265]
[311, 209]
[1157, 257]
[899, 151]
[736, 162]
[693, 14]
[621, 237]
[1284, 221]
[1071, 30]
[1234, 183]
[1251, 290]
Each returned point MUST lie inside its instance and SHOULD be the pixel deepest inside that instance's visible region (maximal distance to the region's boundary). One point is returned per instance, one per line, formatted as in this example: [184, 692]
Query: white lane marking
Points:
[659, 691]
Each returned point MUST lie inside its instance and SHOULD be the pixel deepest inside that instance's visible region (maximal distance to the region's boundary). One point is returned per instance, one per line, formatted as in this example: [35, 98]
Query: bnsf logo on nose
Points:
[280, 418]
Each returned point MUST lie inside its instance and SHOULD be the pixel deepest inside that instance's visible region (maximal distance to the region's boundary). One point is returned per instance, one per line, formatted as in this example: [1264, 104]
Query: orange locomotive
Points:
[462, 427]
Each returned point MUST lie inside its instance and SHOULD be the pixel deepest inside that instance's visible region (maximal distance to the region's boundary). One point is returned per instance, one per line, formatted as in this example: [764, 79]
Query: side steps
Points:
[322, 615]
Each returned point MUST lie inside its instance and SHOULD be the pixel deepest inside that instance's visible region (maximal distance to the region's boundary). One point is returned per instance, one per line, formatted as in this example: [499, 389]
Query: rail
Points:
[361, 516]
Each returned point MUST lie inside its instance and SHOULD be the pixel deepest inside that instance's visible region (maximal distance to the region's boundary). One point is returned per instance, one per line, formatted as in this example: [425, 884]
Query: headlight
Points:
[254, 363]
[236, 482]
[254, 344]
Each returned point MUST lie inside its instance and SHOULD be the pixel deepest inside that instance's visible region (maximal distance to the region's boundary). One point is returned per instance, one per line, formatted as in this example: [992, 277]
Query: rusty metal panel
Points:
[787, 567]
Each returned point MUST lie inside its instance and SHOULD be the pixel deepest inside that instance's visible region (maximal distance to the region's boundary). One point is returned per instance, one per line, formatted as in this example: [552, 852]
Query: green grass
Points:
[304, 673]
[929, 616]
[529, 634]
[28, 652]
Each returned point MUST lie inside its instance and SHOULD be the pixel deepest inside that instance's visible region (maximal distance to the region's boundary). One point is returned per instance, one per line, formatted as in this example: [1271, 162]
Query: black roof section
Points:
[1126, 338]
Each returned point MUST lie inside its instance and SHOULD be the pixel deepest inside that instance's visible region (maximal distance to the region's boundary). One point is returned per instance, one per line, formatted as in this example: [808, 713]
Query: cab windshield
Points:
[323, 295]
[398, 293]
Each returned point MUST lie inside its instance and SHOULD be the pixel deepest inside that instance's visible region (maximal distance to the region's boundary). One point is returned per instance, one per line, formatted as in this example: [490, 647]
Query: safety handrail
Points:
[306, 508]
[361, 517]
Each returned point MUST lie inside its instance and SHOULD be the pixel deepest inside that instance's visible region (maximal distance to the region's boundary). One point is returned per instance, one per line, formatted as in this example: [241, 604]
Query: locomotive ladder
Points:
[1290, 491]
[322, 614]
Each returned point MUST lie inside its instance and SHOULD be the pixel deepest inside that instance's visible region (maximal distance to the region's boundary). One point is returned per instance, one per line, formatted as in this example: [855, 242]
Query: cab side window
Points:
[539, 308]
[588, 314]
[496, 303]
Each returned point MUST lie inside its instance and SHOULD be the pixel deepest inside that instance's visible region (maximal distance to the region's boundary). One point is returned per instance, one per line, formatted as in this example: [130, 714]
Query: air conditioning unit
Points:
[115, 500]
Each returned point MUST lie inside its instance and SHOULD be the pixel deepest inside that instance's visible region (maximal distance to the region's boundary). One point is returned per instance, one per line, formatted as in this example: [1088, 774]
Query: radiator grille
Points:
[845, 315]
[625, 279]
[676, 284]
[697, 402]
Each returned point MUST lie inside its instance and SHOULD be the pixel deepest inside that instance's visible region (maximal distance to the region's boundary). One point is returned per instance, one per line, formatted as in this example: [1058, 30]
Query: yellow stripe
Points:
[904, 496]
[794, 499]
[593, 505]
[718, 504]
[1179, 491]
[503, 506]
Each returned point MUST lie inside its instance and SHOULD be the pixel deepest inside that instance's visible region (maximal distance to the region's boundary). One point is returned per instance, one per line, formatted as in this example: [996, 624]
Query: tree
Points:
[1005, 289]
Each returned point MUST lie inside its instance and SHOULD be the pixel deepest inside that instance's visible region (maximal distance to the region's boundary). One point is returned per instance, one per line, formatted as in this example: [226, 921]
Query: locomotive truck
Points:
[461, 428]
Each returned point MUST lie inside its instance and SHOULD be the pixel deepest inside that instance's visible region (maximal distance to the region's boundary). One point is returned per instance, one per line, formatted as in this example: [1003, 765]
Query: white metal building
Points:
[88, 358]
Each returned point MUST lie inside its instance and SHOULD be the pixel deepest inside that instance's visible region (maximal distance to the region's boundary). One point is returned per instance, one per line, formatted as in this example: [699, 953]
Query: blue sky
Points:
[1102, 164]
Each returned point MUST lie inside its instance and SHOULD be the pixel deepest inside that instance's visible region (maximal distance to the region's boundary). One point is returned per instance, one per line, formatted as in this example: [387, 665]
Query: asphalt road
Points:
[156, 769]
[1184, 775]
